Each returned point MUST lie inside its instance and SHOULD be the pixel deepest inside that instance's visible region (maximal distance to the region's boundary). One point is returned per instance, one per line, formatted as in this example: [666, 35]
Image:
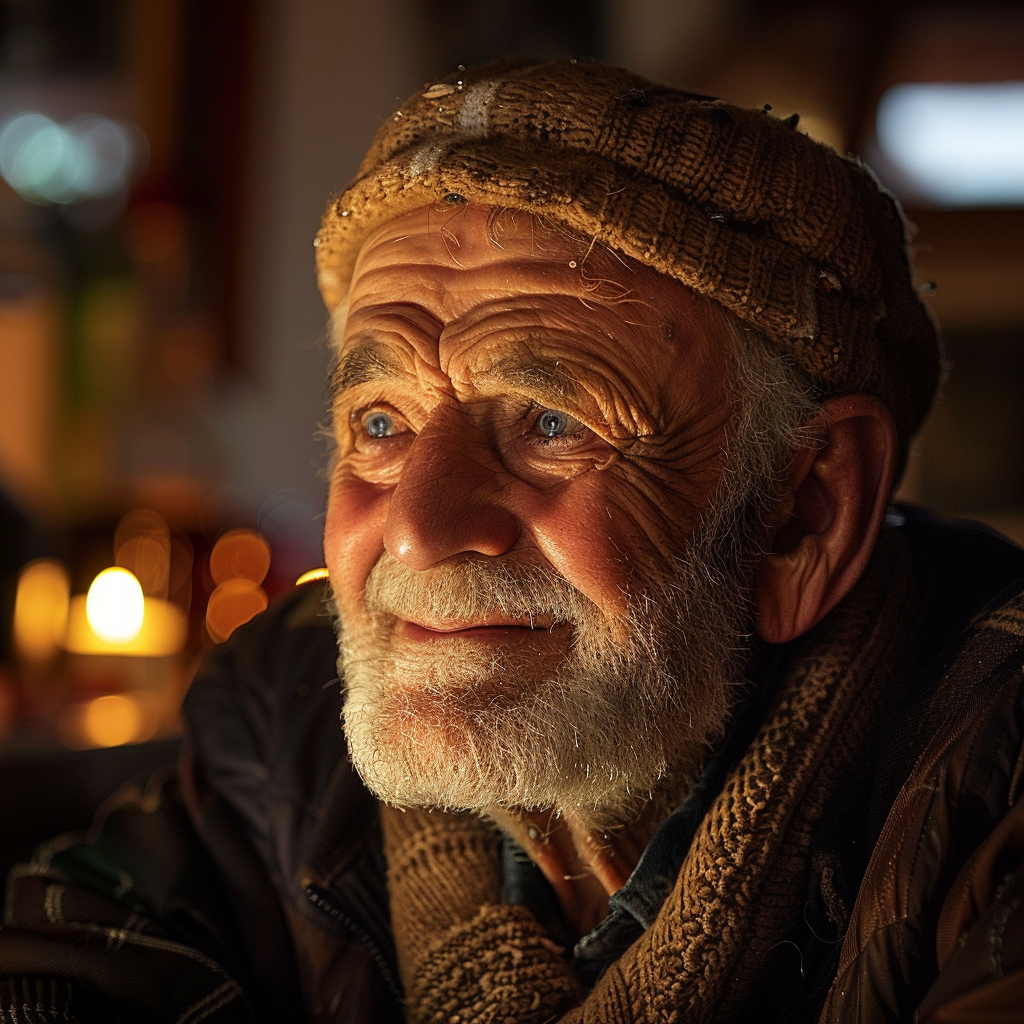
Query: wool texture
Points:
[742, 886]
[739, 205]
[465, 958]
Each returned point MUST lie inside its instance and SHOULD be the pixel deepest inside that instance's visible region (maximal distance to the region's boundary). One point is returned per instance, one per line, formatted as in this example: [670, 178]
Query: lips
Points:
[431, 628]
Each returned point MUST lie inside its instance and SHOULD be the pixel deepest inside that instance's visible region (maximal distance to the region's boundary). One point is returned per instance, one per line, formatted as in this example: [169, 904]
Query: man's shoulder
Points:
[963, 638]
[263, 718]
[218, 874]
[141, 884]
[269, 761]
[280, 662]
[268, 697]
[949, 860]
[969, 670]
[969, 584]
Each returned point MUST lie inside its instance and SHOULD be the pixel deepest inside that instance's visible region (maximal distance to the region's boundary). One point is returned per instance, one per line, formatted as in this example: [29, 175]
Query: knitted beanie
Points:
[792, 238]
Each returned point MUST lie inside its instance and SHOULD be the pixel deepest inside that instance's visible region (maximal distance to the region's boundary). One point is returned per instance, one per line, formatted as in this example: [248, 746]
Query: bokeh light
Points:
[163, 633]
[116, 719]
[233, 602]
[240, 554]
[142, 545]
[90, 157]
[40, 609]
[960, 144]
[115, 606]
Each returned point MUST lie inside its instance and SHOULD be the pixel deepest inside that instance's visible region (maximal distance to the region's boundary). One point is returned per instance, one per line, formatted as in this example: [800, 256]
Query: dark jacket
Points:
[249, 885]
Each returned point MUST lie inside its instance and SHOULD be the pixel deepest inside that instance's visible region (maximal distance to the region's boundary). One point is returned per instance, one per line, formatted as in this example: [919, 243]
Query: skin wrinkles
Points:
[458, 352]
[404, 339]
[463, 355]
[626, 410]
[612, 405]
[440, 343]
[638, 492]
[493, 339]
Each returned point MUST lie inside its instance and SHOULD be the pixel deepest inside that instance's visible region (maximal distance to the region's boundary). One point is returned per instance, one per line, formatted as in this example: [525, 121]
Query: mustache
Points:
[476, 588]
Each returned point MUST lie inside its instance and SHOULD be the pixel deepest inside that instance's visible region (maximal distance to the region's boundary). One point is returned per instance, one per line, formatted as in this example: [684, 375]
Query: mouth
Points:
[497, 629]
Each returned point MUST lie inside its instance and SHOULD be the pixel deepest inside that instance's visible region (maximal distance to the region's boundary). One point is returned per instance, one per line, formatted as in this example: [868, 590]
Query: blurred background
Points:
[163, 167]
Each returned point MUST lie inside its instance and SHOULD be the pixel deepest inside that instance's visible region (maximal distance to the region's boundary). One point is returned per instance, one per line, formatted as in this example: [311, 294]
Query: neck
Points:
[583, 864]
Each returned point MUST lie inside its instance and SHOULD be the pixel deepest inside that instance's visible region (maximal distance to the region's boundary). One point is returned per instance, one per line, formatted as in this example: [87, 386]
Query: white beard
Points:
[593, 726]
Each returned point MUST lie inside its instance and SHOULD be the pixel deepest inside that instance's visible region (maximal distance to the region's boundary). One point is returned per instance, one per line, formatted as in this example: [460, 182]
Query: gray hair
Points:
[774, 403]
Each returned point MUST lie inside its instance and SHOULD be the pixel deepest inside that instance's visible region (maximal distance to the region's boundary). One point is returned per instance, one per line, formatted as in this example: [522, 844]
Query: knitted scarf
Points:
[466, 958]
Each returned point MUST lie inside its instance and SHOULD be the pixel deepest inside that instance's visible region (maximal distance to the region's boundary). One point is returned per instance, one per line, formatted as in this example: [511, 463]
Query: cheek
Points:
[353, 537]
[601, 536]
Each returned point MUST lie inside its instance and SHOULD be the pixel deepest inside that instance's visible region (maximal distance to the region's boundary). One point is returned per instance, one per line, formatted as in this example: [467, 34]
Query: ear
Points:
[829, 518]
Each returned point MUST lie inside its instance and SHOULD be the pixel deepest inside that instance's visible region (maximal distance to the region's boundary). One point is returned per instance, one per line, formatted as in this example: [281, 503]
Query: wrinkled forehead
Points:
[456, 255]
[470, 234]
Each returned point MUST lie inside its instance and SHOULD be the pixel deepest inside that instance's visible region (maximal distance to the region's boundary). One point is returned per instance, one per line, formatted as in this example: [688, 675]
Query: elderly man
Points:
[657, 710]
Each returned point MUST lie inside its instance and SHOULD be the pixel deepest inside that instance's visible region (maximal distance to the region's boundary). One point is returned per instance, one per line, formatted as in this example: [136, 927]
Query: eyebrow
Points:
[362, 365]
[545, 378]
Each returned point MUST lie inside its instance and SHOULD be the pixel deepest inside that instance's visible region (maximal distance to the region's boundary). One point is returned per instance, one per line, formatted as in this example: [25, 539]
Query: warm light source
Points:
[40, 609]
[115, 719]
[110, 720]
[239, 562]
[162, 634]
[312, 574]
[240, 554]
[824, 128]
[233, 603]
[115, 606]
[142, 545]
[957, 143]
[115, 618]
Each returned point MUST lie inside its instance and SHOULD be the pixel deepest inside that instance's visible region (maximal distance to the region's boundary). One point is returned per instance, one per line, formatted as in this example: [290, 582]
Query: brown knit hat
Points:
[801, 243]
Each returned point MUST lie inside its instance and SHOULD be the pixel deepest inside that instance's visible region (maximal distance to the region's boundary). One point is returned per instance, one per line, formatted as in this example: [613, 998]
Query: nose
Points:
[450, 498]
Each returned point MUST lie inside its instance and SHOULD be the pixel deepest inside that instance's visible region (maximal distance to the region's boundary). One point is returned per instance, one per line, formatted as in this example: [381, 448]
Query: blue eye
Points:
[551, 423]
[378, 424]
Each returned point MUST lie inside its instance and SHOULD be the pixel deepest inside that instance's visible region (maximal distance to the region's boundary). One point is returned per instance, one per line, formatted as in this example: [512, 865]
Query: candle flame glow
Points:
[115, 606]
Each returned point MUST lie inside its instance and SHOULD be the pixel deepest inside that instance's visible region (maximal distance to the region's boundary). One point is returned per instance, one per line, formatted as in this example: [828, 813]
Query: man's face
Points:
[528, 436]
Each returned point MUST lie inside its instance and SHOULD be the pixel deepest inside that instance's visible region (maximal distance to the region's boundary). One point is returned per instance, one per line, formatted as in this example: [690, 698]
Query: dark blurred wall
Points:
[325, 74]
